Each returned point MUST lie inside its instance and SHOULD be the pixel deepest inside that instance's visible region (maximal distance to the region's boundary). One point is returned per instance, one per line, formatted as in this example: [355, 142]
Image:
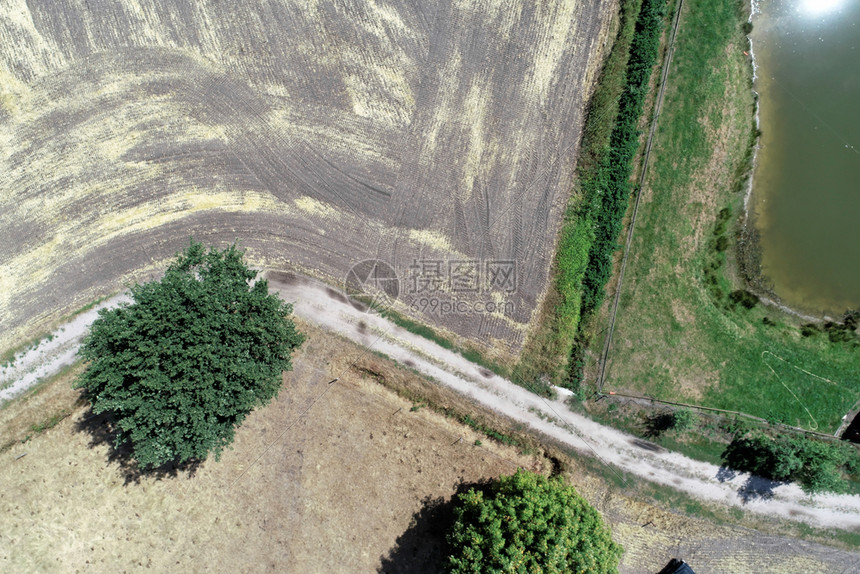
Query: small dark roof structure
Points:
[676, 566]
[852, 433]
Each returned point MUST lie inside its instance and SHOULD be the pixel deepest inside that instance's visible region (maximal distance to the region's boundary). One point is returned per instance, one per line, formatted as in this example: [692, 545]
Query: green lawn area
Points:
[678, 336]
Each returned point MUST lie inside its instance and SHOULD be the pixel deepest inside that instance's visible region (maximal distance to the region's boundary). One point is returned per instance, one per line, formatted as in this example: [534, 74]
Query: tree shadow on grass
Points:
[102, 431]
[422, 548]
[656, 424]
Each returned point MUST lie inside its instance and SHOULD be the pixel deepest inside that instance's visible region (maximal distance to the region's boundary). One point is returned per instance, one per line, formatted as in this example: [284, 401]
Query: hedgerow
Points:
[612, 181]
[585, 255]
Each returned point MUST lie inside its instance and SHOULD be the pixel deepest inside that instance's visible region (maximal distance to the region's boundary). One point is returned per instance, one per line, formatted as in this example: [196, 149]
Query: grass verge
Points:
[686, 329]
[8, 357]
[496, 428]
[41, 408]
[431, 334]
[593, 219]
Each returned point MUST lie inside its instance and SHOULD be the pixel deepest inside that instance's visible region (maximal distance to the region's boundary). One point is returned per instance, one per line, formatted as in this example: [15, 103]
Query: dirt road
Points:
[331, 310]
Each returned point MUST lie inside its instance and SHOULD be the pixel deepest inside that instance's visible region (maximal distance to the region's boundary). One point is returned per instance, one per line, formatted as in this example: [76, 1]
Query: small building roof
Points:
[676, 566]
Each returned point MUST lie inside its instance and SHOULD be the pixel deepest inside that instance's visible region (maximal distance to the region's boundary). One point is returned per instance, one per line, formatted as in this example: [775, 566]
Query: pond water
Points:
[806, 188]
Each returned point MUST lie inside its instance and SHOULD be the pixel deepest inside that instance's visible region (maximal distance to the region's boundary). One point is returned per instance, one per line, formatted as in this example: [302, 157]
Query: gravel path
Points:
[320, 304]
[49, 356]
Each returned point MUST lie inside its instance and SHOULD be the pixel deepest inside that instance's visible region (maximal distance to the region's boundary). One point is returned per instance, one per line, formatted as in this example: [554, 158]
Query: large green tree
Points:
[181, 366]
[527, 523]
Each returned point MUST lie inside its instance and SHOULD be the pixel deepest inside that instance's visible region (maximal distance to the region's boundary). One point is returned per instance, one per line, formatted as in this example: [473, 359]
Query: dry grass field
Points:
[318, 134]
[344, 477]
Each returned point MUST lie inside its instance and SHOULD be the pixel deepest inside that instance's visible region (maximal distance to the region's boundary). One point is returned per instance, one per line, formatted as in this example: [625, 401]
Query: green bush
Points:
[809, 329]
[182, 365]
[816, 466]
[683, 420]
[723, 218]
[744, 298]
[527, 523]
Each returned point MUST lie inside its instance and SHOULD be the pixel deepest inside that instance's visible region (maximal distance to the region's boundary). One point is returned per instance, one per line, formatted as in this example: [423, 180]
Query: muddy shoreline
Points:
[750, 262]
[754, 279]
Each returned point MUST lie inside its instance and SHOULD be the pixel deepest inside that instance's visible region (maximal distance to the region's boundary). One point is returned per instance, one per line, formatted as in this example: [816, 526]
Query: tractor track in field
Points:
[317, 135]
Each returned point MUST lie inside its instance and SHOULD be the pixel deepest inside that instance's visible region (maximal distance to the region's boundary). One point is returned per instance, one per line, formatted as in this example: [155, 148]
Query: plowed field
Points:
[318, 134]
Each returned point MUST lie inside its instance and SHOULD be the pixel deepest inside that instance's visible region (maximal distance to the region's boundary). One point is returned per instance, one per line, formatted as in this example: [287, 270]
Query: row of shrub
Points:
[815, 465]
[838, 332]
[594, 217]
[719, 244]
[585, 254]
[612, 180]
[543, 361]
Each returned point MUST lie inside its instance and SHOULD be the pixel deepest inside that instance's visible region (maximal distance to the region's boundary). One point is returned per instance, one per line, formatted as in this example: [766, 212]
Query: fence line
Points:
[658, 106]
[723, 411]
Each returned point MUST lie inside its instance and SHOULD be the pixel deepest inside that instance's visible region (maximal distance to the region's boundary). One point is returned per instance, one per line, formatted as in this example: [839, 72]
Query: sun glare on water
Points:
[820, 6]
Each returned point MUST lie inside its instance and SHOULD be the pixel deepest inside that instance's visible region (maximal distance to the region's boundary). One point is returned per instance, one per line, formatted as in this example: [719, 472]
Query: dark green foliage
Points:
[761, 455]
[182, 365]
[586, 250]
[679, 421]
[744, 298]
[527, 523]
[577, 362]
[683, 420]
[768, 321]
[578, 227]
[842, 332]
[736, 426]
[809, 329]
[657, 424]
[593, 219]
[612, 181]
[723, 218]
[851, 319]
[716, 259]
[817, 466]
[839, 336]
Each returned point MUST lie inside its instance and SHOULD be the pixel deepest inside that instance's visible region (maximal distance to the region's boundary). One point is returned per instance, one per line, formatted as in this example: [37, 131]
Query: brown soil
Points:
[331, 477]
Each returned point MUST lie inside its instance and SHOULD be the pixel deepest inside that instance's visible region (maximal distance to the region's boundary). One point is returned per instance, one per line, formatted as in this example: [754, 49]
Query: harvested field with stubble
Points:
[346, 477]
[316, 134]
